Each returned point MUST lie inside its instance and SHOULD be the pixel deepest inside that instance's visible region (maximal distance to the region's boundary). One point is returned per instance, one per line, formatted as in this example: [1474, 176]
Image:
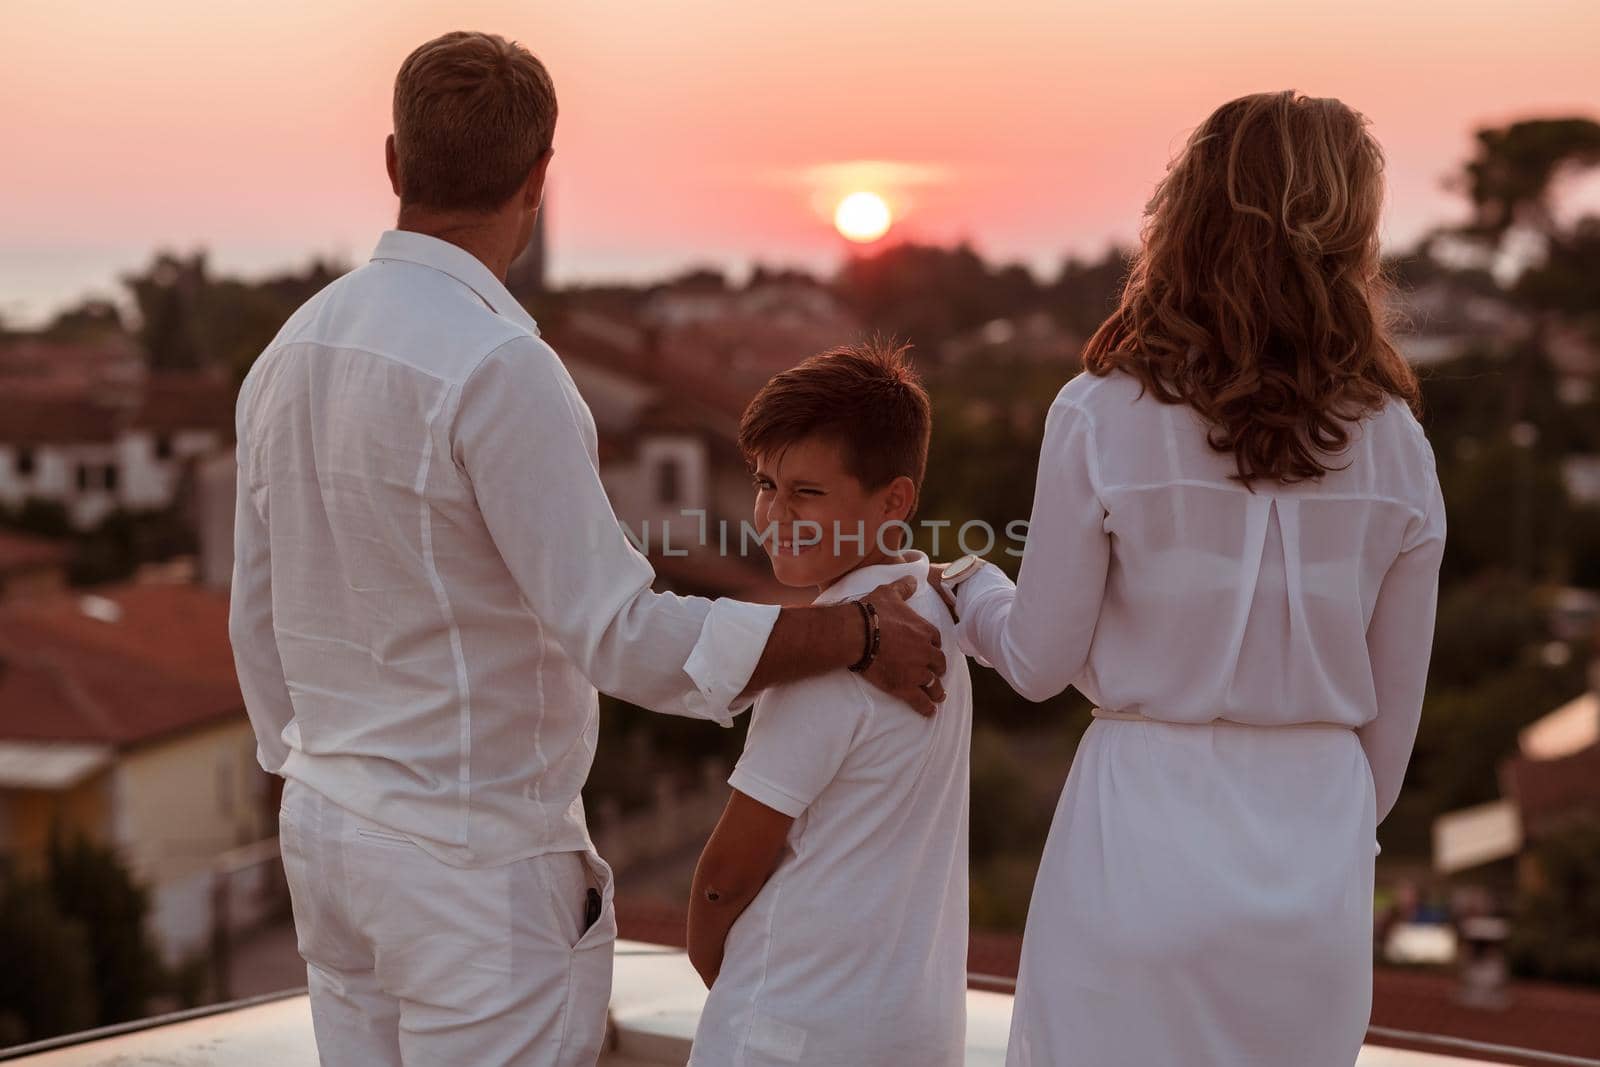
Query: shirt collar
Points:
[864, 580]
[411, 247]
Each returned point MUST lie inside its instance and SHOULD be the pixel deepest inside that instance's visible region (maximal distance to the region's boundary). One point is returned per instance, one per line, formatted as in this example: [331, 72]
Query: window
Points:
[111, 476]
[163, 446]
[669, 481]
[25, 461]
[83, 476]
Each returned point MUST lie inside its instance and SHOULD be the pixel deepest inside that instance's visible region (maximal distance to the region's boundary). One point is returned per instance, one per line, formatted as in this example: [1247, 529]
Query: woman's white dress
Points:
[1205, 895]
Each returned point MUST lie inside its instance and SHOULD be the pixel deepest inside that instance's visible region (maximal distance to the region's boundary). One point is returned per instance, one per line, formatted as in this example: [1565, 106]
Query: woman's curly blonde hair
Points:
[1258, 296]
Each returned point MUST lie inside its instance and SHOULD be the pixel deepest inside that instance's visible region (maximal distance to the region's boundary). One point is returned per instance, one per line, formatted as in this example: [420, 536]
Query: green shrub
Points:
[1556, 930]
[46, 986]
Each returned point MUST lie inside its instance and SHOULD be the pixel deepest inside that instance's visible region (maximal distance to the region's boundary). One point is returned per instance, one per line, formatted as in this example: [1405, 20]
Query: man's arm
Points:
[743, 852]
[814, 640]
[255, 645]
[519, 436]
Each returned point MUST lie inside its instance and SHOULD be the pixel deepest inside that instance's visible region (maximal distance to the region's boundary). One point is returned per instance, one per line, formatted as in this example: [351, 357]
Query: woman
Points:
[1234, 553]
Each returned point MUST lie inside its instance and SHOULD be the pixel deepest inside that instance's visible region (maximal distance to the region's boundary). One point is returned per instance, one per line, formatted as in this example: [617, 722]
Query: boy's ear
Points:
[899, 499]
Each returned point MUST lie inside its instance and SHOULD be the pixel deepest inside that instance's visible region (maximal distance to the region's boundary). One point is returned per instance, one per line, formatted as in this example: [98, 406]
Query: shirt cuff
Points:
[762, 791]
[989, 581]
[731, 642]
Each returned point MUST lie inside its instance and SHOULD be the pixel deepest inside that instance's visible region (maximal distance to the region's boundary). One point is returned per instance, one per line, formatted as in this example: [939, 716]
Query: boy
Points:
[829, 909]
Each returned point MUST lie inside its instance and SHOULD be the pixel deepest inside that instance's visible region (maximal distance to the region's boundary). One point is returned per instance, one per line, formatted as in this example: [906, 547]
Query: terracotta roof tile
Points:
[22, 553]
[163, 666]
[37, 413]
[186, 402]
[110, 360]
[52, 417]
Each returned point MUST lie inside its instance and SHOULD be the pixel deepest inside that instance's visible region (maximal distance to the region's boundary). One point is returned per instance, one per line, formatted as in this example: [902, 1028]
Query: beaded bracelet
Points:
[869, 616]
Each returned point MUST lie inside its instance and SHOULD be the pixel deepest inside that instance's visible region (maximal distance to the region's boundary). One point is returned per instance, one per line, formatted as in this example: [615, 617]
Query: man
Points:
[429, 584]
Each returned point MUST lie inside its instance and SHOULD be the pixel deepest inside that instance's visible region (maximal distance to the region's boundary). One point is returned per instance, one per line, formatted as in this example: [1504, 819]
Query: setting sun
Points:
[862, 217]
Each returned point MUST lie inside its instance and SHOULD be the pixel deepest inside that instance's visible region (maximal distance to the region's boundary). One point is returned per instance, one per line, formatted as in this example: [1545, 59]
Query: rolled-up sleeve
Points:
[524, 438]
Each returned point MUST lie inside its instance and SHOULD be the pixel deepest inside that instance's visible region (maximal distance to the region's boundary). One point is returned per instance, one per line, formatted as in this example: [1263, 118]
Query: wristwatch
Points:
[959, 571]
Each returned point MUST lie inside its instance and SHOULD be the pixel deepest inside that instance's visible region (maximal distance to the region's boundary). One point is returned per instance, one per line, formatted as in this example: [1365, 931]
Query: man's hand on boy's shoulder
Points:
[910, 663]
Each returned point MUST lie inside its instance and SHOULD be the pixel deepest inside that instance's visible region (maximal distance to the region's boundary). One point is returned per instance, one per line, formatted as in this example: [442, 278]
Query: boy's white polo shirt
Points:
[855, 951]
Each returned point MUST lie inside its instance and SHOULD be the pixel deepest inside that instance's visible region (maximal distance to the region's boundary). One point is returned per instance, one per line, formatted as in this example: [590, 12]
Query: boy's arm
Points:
[800, 735]
[742, 854]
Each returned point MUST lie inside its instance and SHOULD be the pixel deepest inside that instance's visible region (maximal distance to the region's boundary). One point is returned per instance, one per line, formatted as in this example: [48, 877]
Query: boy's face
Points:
[824, 522]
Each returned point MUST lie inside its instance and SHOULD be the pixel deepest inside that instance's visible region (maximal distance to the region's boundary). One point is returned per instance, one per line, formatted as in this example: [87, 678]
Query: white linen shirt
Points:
[429, 581]
[1159, 587]
[855, 950]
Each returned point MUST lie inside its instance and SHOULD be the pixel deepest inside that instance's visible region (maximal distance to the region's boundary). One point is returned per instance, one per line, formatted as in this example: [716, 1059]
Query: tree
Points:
[1511, 178]
[191, 320]
[1568, 280]
[88, 321]
[168, 294]
[90, 884]
[1477, 483]
[46, 986]
[1013, 801]
[39, 517]
[1556, 932]
[124, 539]
[1085, 293]
[1511, 182]
[927, 295]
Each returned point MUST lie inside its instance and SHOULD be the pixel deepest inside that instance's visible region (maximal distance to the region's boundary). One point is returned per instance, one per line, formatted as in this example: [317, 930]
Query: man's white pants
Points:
[412, 961]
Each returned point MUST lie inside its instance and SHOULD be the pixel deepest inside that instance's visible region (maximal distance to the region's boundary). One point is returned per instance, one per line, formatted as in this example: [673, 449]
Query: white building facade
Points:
[94, 458]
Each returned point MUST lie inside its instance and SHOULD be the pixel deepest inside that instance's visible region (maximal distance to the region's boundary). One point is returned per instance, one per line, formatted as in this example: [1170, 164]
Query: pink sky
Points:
[693, 132]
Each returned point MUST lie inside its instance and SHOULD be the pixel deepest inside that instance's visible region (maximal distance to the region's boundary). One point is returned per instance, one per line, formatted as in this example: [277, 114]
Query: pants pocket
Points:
[589, 973]
[603, 930]
[577, 888]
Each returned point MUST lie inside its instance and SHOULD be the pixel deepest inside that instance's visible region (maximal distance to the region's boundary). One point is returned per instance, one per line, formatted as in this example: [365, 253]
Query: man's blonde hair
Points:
[473, 113]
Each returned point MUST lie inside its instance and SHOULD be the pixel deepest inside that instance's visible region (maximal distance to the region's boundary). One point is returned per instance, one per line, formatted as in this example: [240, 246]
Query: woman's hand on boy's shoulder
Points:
[936, 579]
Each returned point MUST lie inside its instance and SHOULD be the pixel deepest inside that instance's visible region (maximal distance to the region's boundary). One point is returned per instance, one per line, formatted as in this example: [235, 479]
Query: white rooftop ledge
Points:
[655, 1005]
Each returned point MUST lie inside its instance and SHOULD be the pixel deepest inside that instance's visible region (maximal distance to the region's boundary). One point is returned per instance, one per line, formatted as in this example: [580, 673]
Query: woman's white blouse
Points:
[1157, 585]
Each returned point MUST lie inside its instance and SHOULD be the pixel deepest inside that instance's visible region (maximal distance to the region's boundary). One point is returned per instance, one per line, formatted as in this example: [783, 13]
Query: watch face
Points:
[961, 568]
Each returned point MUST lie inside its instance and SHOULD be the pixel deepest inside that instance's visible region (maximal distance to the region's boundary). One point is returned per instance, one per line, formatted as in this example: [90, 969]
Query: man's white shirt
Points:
[429, 581]
[855, 950]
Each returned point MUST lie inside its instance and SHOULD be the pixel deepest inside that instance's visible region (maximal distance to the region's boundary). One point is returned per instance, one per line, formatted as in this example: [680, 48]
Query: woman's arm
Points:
[1037, 632]
[1399, 644]
[742, 854]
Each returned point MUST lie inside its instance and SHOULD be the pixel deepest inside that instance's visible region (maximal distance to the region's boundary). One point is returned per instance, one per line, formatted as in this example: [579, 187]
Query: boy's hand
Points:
[910, 662]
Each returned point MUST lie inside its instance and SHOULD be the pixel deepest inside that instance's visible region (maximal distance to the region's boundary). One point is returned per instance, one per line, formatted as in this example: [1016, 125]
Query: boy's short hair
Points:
[473, 113]
[865, 397]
